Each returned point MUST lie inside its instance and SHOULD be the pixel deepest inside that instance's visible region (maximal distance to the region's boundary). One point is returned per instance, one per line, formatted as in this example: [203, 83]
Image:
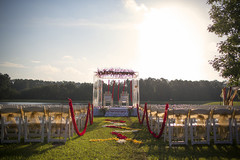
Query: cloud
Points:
[70, 22]
[72, 71]
[67, 57]
[12, 65]
[33, 61]
[132, 5]
[48, 69]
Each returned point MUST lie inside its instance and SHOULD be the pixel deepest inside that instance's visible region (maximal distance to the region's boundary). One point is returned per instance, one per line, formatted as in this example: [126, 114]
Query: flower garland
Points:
[118, 127]
[115, 121]
[116, 124]
[102, 140]
[116, 72]
[120, 138]
[117, 139]
[127, 131]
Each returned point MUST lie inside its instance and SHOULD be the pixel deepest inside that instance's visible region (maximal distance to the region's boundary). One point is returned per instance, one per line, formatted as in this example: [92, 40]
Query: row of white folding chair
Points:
[34, 122]
[195, 126]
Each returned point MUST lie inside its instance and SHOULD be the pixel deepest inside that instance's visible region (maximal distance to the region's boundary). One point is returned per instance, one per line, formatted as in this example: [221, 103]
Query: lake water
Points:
[35, 103]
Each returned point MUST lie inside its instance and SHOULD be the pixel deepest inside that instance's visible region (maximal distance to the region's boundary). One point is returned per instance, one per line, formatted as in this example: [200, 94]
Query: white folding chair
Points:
[236, 120]
[166, 129]
[80, 116]
[11, 124]
[34, 121]
[159, 119]
[124, 99]
[0, 123]
[107, 99]
[200, 126]
[222, 126]
[178, 127]
[58, 124]
[152, 115]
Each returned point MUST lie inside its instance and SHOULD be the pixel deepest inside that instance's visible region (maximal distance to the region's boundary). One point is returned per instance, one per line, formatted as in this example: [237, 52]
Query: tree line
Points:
[151, 89]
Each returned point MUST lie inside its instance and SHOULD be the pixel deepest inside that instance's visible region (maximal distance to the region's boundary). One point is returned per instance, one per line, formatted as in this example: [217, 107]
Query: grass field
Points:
[82, 148]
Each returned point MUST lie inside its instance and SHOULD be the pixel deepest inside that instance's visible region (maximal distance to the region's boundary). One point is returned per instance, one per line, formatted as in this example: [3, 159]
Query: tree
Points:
[5, 85]
[225, 15]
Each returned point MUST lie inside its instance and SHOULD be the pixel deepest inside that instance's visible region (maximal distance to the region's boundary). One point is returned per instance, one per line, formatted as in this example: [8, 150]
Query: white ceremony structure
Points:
[101, 99]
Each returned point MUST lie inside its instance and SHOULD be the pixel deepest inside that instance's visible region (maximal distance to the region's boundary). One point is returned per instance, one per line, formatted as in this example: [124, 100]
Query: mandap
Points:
[112, 75]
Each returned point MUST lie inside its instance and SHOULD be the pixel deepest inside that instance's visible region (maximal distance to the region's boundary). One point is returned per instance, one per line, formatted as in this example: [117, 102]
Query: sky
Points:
[62, 40]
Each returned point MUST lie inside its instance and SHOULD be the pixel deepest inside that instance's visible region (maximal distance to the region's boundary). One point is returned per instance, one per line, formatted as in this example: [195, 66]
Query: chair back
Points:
[34, 113]
[222, 115]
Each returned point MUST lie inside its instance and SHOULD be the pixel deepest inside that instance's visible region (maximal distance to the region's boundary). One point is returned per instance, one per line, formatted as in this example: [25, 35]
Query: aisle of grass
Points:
[81, 148]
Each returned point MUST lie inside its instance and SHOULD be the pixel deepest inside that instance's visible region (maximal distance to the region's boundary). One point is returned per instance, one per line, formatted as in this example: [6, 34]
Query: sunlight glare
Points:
[169, 45]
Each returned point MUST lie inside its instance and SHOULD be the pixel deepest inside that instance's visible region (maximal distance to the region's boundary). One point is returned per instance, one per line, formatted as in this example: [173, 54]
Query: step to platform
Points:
[117, 112]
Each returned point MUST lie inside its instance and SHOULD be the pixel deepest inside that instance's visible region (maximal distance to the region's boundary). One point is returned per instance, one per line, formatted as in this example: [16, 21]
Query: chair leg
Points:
[165, 131]
[19, 130]
[42, 130]
[186, 131]
[49, 129]
[66, 131]
[25, 129]
[170, 133]
[191, 131]
[236, 131]
[208, 130]
[230, 131]
[214, 132]
[2, 130]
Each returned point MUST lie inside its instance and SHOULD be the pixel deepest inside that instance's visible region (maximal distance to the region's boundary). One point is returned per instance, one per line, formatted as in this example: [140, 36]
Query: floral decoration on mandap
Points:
[116, 73]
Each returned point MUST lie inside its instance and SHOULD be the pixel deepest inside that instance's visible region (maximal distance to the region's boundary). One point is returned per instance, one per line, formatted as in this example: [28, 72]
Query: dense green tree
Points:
[225, 15]
[151, 89]
[5, 86]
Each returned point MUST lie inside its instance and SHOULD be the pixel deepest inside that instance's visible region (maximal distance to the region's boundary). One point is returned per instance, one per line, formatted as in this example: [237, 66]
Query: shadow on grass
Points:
[27, 150]
[151, 148]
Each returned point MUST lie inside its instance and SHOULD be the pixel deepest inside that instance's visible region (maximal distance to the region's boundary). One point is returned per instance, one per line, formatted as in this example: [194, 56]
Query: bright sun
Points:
[170, 44]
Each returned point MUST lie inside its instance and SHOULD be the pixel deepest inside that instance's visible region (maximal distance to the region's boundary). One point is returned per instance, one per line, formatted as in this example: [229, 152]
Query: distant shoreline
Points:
[38, 101]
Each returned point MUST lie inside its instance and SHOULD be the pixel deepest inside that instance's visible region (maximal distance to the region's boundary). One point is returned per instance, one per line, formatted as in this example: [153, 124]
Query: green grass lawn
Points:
[82, 148]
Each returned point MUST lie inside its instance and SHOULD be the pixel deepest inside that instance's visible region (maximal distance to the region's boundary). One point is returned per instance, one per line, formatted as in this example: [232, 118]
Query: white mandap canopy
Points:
[114, 74]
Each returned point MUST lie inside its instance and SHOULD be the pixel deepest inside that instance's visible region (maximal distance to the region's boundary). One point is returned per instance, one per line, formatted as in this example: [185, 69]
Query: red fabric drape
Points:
[163, 124]
[140, 121]
[118, 89]
[131, 90]
[108, 85]
[74, 121]
[91, 116]
[149, 129]
[113, 89]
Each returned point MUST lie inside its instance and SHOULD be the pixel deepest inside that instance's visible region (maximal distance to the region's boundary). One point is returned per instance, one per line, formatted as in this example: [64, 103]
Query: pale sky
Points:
[62, 40]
